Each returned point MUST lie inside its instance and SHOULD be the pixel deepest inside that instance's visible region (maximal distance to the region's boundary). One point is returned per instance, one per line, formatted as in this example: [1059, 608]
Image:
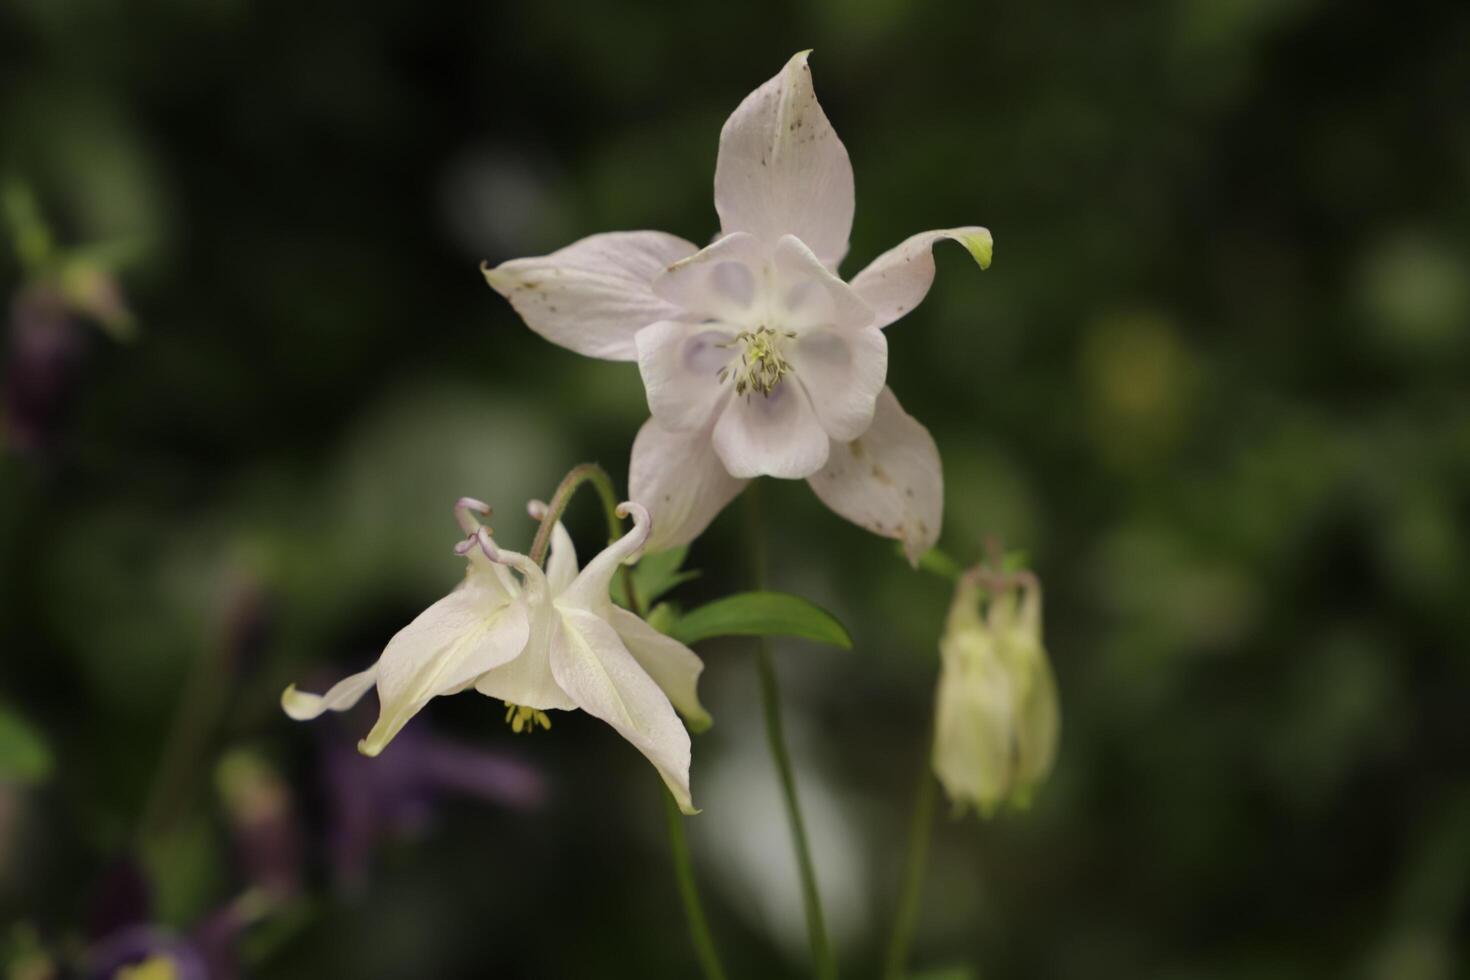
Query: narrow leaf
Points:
[762, 614]
[653, 576]
[1016, 561]
[936, 562]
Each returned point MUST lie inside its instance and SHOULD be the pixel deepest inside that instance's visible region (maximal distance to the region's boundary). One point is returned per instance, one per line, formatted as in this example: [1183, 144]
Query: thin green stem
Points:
[916, 856]
[585, 473]
[699, 934]
[602, 483]
[824, 963]
[205, 693]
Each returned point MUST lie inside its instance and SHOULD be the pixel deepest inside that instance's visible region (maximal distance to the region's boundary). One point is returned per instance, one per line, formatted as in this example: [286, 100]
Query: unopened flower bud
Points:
[996, 715]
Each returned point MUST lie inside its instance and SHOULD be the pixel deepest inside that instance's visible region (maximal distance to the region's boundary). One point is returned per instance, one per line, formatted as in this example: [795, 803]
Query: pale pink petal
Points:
[681, 481]
[807, 294]
[782, 170]
[897, 281]
[595, 294]
[843, 372]
[720, 282]
[681, 365]
[771, 435]
[888, 480]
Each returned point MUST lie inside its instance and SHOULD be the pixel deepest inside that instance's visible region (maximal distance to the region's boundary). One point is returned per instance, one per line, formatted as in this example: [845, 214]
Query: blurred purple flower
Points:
[45, 349]
[397, 792]
[121, 899]
[140, 944]
[124, 936]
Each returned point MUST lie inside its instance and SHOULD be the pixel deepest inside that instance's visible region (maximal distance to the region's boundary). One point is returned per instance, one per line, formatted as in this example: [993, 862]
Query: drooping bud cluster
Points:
[996, 717]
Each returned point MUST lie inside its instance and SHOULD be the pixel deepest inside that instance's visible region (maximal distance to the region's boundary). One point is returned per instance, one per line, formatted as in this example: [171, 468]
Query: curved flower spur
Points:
[548, 640]
[757, 359]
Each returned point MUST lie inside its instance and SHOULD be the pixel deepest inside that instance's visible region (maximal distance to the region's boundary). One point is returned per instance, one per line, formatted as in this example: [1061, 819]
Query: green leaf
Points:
[761, 614]
[24, 754]
[1016, 561]
[935, 562]
[663, 617]
[185, 869]
[653, 576]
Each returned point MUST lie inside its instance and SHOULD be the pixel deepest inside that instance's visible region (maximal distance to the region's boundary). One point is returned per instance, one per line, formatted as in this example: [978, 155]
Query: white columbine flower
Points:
[550, 640]
[996, 717]
[757, 359]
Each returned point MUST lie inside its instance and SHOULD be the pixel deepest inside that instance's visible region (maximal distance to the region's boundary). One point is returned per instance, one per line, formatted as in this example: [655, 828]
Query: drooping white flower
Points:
[480, 625]
[996, 716]
[584, 652]
[758, 360]
[548, 640]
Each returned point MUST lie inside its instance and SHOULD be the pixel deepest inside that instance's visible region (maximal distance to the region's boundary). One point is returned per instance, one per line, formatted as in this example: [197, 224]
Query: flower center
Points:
[762, 365]
[524, 719]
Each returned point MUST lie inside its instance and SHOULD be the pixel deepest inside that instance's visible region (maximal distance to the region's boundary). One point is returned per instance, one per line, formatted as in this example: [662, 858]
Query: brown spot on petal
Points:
[881, 475]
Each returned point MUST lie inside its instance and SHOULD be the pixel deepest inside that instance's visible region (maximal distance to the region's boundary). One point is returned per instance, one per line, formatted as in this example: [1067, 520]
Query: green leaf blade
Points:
[654, 576]
[762, 614]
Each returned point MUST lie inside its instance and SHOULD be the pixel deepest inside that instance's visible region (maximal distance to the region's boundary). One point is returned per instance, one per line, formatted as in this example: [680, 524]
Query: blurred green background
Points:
[1215, 384]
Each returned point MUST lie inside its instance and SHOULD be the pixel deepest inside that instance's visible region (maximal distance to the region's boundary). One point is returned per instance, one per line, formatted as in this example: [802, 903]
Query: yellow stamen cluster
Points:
[761, 364]
[524, 719]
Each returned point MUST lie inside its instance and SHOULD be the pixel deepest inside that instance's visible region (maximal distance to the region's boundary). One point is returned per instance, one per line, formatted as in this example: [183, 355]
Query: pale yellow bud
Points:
[996, 715]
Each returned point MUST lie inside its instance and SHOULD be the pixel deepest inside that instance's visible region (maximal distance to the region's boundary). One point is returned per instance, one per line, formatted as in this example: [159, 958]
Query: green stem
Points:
[602, 483]
[205, 694]
[585, 473]
[699, 934]
[915, 858]
[822, 959]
